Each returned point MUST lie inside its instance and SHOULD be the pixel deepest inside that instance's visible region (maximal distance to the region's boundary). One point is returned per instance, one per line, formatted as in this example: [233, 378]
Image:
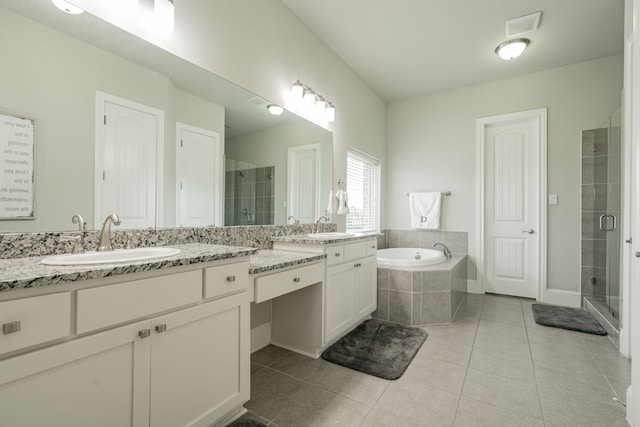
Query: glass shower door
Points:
[611, 221]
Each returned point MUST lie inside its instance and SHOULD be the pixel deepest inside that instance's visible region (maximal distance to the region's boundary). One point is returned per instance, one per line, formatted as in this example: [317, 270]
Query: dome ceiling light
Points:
[513, 48]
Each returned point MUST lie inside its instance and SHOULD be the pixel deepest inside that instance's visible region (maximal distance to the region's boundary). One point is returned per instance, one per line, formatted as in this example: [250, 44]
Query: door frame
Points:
[218, 163]
[101, 98]
[482, 124]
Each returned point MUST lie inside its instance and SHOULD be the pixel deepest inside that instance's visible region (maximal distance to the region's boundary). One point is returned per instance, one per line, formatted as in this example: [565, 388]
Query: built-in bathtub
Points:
[409, 259]
[419, 286]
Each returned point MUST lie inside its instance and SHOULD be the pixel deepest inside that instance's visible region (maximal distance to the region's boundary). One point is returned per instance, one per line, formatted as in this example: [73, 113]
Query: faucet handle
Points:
[77, 243]
[82, 224]
[129, 241]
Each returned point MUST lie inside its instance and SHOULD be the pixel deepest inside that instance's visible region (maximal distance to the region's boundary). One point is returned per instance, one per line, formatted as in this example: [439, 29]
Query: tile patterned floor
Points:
[493, 366]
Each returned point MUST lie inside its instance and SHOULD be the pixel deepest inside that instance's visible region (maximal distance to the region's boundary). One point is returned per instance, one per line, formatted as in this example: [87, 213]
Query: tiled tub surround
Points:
[426, 297]
[19, 245]
[456, 241]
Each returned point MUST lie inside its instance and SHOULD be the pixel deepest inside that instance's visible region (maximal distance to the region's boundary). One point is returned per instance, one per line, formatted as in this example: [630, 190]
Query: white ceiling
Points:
[408, 48]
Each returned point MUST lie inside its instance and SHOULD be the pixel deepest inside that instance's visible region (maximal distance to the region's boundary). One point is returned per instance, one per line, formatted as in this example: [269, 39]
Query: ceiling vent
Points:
[522, 25]
[256, 100]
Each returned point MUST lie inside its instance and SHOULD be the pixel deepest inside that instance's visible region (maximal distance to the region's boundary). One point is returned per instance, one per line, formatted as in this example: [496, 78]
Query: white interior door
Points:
[128, 162]
[303, 182]
[512, 205]
[198, 176]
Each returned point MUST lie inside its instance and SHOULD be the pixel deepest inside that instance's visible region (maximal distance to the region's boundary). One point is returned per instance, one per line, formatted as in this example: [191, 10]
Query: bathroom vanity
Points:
[350, 291]
[163, 343]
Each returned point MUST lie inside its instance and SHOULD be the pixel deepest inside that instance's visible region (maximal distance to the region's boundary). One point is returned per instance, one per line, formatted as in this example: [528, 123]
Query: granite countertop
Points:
[304, 238]
[20, 273]
[269, 260]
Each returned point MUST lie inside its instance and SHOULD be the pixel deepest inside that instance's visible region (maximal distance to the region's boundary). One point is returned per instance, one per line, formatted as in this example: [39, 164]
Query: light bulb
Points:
[163, 13]
[511, 49]
[321, 104]
[276, 110]
[67, 7]
[330, 113]
[309, 98]
[297, 90]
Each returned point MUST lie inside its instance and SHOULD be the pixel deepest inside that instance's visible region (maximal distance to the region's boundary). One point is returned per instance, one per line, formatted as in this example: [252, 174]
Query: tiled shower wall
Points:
[595, 183]
[250, 196]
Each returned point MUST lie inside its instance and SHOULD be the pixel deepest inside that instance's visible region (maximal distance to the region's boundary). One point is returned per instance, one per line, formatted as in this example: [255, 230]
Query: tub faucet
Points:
[445, 249]
[105, 235]
[318, 222]
[296, 221]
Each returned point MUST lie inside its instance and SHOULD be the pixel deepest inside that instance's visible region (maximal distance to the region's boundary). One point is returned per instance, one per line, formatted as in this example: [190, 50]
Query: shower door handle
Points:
[603, 220]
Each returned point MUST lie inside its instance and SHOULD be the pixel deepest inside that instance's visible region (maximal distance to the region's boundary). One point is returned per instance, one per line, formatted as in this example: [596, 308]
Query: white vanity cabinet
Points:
[350, 283]
[178, 366]
[350, 289]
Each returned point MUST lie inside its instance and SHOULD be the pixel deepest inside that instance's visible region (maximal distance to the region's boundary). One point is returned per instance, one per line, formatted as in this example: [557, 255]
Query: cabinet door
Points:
[200, 363]
[366, 287]
[339, 300]
[100, 380]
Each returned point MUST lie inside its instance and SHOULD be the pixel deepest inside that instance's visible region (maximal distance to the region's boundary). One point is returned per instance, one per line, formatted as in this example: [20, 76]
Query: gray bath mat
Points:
[574, 319]
[377, 348]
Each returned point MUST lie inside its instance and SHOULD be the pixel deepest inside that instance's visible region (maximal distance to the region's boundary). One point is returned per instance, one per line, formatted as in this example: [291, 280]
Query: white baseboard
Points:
[260, 336]
[473, 287]
[564, 298]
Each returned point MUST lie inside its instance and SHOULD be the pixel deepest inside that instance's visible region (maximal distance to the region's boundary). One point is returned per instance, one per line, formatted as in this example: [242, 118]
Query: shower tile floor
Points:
[493, 366]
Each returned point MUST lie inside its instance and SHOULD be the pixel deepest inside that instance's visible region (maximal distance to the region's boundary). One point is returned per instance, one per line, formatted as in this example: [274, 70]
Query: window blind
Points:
[363, 188]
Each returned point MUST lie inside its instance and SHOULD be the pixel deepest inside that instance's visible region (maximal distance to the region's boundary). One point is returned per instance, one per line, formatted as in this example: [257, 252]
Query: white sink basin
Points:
[330, 235]
[108, 257]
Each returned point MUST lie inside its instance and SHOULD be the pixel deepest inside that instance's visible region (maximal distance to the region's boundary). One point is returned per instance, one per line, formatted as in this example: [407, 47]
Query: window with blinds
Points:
[363, 188]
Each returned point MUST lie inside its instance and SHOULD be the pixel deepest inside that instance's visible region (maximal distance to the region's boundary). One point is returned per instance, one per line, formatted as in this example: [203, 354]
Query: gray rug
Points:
[574, 319]
[377, 348]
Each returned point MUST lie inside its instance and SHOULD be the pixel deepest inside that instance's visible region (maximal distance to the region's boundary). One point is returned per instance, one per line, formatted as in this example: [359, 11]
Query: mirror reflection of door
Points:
[303, 181]
[129, 141]
[198, 177]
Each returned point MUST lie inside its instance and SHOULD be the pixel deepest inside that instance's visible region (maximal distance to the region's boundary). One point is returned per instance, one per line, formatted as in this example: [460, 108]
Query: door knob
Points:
[529, 231]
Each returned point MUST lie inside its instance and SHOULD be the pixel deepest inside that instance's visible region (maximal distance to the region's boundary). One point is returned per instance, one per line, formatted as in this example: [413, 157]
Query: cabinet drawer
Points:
[372, 247]
[226, 279]
[355, 250]
[335, 255]
[274, 285]
[109, 305]
[30, 321]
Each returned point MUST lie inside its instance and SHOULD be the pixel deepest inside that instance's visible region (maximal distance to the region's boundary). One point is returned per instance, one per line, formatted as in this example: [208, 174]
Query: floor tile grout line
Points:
[533, 366]
[466, 370]
[595, 360]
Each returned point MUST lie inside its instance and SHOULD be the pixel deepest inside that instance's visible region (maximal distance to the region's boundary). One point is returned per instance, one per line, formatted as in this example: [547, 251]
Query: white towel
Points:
[329, 211]
[425, 210]
[343, 202]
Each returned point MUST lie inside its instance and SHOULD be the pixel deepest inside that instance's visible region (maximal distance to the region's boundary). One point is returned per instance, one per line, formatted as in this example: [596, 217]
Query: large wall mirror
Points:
[66, 72]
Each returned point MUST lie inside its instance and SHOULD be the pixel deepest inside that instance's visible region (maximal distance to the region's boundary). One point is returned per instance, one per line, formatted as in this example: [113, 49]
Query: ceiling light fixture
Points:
[275, 110]
[313, 101]
[511, 49]
[67, 7]
[163, 12]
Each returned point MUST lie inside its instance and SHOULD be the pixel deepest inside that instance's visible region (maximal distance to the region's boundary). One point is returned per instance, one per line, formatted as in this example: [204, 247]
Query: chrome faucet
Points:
[445, 249]
[326, 218]
[296, 221]
[105, 235]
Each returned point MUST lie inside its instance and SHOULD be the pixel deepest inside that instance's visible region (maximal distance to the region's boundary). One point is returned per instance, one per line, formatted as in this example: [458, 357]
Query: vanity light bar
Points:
[313, 100]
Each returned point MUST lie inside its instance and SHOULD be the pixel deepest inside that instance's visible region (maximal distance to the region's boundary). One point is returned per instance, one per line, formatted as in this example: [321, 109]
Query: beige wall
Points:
[432, 140]
[263, 47]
